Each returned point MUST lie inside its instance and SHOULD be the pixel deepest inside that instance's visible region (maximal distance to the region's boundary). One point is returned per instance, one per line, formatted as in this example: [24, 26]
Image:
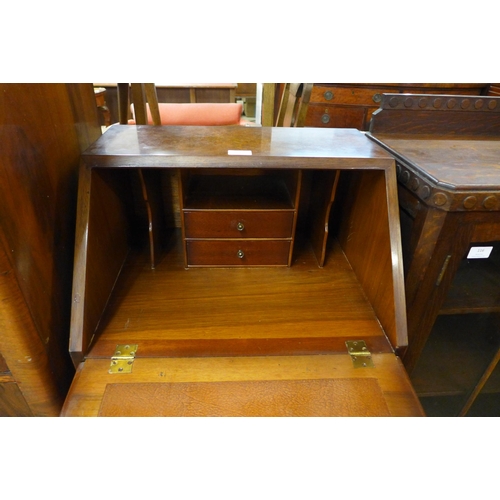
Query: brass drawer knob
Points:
[240, 226]
[328, 95]
[240, 254]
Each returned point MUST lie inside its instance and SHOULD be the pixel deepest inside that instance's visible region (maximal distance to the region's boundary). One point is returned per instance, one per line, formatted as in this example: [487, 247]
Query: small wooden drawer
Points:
[351, 95]
[238, 253]
[238, 224]
[336, 116]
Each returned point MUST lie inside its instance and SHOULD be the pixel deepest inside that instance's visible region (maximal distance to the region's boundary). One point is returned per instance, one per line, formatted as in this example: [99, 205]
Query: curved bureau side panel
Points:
[101, 248]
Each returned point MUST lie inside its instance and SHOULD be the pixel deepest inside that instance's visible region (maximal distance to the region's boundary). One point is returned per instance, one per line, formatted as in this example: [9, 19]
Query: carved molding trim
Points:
[438, 197]
[431, 102]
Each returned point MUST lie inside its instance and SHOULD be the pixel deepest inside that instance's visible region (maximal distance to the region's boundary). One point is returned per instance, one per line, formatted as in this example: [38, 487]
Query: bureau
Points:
[189, 321]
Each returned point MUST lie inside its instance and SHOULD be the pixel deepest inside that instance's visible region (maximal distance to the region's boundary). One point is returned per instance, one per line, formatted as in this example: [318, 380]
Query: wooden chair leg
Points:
[139, 100]
[151, 96]
[304, 104]
[123, 102]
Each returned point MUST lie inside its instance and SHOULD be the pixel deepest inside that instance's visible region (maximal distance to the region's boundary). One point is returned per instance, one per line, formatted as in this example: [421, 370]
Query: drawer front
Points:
[372, 96]
[336, 117]
[238, 253]
[352, 95]
[238, 224]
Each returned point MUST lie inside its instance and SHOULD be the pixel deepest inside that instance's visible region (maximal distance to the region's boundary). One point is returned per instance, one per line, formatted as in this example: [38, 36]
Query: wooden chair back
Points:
[139, 94]
[294, 103]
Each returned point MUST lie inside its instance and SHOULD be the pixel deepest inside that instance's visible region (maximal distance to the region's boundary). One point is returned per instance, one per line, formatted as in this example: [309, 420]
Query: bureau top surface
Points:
[234, 146]
[453, 163]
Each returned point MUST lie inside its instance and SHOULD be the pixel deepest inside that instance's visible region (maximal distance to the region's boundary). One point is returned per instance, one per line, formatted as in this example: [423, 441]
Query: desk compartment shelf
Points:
[113, 240]
[239, 218]
[214, 311]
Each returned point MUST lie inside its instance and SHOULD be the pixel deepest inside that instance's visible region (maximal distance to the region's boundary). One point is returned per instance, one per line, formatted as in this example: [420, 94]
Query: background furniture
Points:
[142, 98]
[216, 114]
[104, 114]
[294, 104]
[43, 130]
[447, 150]
[247, 93]
[241, 340]
[180, 93]
[350, 105]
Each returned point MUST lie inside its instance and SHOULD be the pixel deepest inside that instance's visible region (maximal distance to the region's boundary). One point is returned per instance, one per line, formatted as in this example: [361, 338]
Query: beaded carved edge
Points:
[430, 102]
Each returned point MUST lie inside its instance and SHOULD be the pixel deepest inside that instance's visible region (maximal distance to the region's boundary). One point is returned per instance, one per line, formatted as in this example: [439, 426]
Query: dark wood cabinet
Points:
[447, 151]
[43, 130]
[308, 330]
[351, 105]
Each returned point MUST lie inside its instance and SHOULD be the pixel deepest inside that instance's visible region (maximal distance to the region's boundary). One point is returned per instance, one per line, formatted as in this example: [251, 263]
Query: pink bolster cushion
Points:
[197, 113]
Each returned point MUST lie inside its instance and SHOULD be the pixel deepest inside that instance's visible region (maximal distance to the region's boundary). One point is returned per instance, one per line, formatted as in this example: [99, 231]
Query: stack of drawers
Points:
[234, 219]
[351, 105]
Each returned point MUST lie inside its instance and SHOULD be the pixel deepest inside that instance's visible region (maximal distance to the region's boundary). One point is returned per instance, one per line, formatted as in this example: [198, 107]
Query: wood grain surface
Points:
[335, 373]
[171, 303]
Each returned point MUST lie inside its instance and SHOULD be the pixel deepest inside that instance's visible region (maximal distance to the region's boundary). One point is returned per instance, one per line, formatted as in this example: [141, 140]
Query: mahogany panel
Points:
[21, 345]
[369, 236]
[43, 130]
[103, 239]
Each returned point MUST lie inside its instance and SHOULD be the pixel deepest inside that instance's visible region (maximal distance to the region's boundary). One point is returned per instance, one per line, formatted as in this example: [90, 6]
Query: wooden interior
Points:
[309, 304]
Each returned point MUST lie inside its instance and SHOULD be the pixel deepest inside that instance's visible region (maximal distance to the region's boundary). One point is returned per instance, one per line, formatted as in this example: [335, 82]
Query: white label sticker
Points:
[244, 152]
[479, 252]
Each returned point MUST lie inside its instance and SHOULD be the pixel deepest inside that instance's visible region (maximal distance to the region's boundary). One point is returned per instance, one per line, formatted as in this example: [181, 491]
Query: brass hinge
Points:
[360, 355]
[123, 358]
